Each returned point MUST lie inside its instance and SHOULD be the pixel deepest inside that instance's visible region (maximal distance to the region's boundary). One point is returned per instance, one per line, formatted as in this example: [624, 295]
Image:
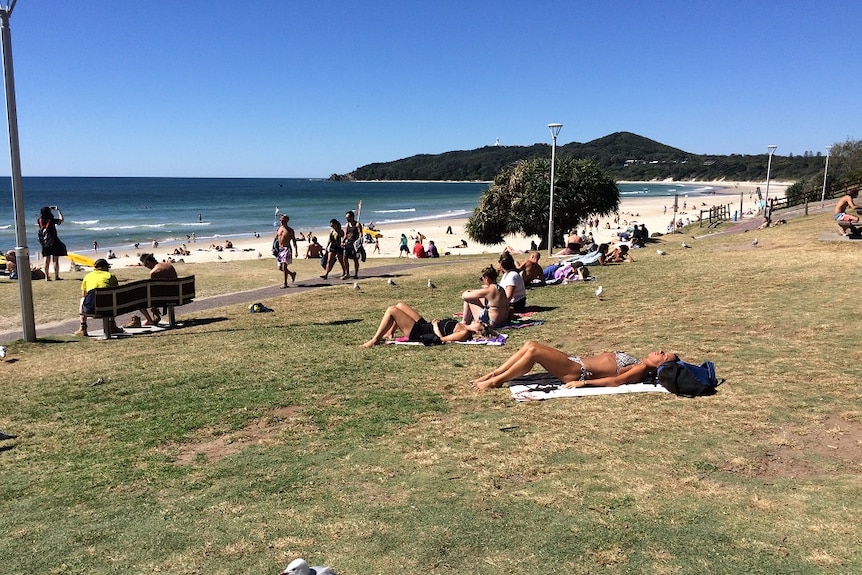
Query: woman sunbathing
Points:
[406, 319]
[605, 369]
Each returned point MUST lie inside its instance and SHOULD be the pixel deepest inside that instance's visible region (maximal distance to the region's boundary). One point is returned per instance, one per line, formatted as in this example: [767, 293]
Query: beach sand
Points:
[654, 212]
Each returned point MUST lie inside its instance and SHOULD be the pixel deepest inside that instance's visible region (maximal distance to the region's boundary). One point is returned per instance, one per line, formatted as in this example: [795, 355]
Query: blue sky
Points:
[294, 88]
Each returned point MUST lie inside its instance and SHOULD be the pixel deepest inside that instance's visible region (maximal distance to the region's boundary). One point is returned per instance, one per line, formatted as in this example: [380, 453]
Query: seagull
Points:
[219, 257]
[260, 255]
[356, 285]
[599, 291]
[392, 283]
[3, 352]
[431, 284]
[99, 381]
[685, 245]
[301, 567]
[755, 242]
[661, 253]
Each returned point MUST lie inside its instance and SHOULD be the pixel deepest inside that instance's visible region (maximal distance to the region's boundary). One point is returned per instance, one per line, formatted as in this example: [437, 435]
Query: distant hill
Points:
[624, 155]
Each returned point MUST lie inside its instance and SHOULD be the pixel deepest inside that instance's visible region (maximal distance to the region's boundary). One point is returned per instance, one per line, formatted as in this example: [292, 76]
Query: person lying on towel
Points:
[401, 317]
[605, 369]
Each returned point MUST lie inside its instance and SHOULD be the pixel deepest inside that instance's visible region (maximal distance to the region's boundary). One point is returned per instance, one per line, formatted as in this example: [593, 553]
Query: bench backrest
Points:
[114, 301]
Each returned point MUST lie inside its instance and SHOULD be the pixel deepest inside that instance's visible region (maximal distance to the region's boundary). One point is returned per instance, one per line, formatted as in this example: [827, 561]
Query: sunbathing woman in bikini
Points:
[488, 304]
[406, 319]
[605, 369]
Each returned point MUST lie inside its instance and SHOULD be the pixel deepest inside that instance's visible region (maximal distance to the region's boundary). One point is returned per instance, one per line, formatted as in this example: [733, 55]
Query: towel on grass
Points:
[499, 339]
[519, 323]
[541, 386]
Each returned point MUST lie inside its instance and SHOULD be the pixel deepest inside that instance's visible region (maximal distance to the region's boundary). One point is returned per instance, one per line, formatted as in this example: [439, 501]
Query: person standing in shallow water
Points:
[284, 257]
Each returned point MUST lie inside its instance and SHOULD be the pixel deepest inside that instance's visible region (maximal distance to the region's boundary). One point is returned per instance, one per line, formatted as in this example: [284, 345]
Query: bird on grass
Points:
[661, 252]
[392, 283]
[301, 567]
[100, 381]
[685, 245]
[356, 285]
[3, 352]
[431, 285]
[599, 291]
[755, 242]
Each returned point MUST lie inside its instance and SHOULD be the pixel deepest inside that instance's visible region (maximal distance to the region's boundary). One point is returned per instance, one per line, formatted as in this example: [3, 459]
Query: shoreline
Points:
[654, 211]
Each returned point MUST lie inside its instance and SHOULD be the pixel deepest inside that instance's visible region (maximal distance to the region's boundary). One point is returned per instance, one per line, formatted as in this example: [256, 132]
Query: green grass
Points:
[232, 446]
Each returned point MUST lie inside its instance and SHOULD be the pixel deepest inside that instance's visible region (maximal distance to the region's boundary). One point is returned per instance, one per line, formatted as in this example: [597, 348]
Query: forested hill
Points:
[624, 155]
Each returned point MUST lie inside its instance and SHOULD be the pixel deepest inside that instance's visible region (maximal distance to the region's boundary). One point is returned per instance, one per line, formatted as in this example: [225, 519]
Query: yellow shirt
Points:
[98, 279]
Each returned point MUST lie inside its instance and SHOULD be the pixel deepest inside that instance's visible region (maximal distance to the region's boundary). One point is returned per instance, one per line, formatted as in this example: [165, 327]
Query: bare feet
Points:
[370, 343]
[486, 384]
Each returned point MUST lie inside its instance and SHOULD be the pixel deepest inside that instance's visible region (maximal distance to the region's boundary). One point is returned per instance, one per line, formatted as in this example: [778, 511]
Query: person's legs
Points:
[83, 329]
[522, 361]
[330, 263]
[473, 309]
[56, 268]
[399, 316]
[47, 268]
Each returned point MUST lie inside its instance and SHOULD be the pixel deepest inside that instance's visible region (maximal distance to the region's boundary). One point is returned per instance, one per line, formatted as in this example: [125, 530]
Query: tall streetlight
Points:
[555, 131]
[22, 252]
[825, 171]
[771, 149]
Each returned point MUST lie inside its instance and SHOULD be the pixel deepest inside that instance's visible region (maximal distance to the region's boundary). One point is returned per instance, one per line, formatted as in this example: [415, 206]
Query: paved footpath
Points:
[68, 327]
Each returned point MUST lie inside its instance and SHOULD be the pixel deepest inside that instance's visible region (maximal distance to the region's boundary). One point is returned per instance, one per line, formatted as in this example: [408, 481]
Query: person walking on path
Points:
[352, 245]
[284, 257]
[52, 247]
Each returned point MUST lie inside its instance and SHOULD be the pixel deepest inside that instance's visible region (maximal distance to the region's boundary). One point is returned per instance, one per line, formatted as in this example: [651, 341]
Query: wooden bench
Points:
[851, 229]
[111, 302]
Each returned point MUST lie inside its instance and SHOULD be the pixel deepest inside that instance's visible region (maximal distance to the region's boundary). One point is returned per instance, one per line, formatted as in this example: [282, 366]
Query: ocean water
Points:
[119, 212]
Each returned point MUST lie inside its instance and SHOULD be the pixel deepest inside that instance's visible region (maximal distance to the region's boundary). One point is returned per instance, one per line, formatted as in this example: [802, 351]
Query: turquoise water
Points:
[119, 212]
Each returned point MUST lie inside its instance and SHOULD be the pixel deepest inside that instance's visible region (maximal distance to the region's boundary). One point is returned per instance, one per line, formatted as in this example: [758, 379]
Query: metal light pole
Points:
[555, 130]
[825, 171]
[22, 252]
[771, 149]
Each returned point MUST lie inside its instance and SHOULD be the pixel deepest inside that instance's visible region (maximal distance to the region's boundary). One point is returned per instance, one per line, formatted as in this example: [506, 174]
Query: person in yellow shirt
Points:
[98, 278]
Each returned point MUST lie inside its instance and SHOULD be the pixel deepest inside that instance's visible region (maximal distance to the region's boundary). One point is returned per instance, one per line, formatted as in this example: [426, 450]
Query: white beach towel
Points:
[542, 388]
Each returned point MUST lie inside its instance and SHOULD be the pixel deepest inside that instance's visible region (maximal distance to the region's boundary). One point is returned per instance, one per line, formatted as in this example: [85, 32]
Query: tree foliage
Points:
[518, 200]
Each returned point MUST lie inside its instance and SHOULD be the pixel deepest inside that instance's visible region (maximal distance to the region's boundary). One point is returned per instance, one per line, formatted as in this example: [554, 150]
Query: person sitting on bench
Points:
[842, 205]
[100, 277]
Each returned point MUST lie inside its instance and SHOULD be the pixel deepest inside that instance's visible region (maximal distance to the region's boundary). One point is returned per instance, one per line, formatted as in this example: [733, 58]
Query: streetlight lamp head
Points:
[771, 148]
[555, 129]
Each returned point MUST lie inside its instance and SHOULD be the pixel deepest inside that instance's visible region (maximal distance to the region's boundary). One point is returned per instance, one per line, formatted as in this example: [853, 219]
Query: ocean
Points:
[120, 212]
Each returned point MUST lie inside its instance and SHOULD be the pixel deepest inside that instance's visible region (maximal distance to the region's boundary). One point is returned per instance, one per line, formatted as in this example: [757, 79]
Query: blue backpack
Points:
[687, 379]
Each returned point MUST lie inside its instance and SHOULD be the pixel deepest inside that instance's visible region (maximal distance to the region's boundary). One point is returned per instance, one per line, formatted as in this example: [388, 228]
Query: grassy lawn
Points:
[245, 440]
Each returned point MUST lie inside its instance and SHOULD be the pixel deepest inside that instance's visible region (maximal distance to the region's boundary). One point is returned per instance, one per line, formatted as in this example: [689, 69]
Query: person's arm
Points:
[59, 214]
[461, 333]
[634, 375]
[475, 294]
[295, 245]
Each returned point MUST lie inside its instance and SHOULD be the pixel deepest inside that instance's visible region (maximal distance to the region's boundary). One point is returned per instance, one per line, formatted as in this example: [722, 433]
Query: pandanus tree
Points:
[517, 201]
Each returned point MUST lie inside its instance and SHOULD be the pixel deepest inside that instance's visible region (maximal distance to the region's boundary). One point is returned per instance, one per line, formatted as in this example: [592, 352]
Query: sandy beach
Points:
[654, 212]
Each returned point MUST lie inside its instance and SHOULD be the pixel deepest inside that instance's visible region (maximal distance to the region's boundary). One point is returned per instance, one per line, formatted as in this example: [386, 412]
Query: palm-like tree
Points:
[517, 201]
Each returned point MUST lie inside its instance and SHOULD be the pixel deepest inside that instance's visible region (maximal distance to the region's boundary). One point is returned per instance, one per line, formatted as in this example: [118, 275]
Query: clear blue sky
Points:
[295, 88]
